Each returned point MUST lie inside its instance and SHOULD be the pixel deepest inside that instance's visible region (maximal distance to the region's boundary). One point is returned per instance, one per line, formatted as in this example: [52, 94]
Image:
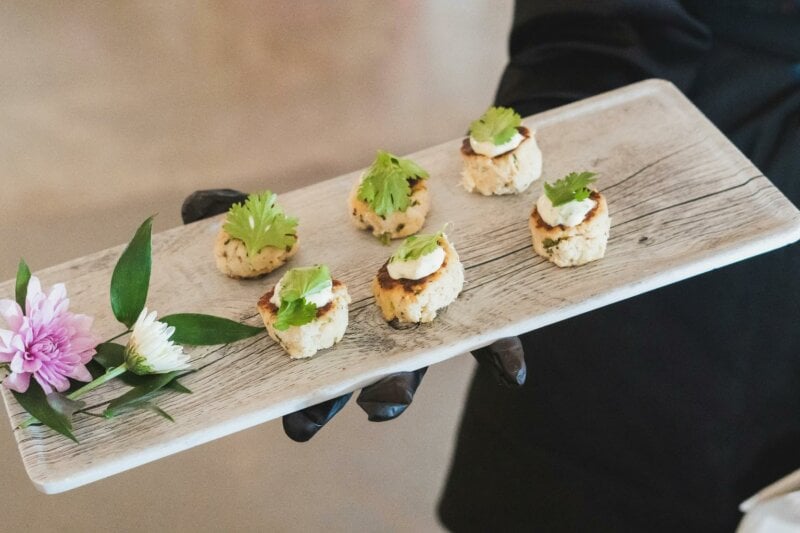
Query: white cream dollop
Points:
[320, 299]
[417, 268]
[569, 214]
[489, 149]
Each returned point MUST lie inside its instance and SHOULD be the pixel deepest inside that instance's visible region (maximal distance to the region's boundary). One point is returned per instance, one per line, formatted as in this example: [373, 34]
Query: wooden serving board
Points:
[679, 194]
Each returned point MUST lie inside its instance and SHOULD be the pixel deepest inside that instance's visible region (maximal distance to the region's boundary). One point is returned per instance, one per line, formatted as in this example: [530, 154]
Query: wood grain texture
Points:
[683, 200]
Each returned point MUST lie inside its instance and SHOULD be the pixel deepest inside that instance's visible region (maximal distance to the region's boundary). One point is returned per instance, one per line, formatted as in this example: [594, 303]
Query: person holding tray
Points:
[665, 411]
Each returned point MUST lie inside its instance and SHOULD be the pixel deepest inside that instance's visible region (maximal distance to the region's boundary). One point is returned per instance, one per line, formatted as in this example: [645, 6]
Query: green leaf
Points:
[131, 277]
[260, 222]
[203, 330]
[304, 281]
[61, 404]
[159, 411]
[23, 277]
[295, 313]
[140, 394]
[416, 246]
[571, 187]
[498, 125]
[35, 402]
[385, 187]
[112, 355]
[410, 169]
[142, 405]
[177, 386]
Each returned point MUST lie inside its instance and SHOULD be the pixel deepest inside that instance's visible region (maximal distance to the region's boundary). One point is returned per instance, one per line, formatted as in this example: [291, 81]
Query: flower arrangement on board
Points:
[51, 357]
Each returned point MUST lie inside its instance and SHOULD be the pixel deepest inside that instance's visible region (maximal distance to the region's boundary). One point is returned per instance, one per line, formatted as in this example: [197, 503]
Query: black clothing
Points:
[663, 412]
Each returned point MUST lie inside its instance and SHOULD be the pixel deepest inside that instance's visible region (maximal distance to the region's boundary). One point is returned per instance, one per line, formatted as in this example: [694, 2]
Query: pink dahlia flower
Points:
[47, 342]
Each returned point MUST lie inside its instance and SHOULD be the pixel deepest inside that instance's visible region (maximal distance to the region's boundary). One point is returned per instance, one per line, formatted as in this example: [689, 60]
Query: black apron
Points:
[662, 412]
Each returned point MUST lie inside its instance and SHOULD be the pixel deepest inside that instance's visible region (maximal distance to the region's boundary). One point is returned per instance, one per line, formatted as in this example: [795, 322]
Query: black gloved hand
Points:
[388, 398]
[204, 204]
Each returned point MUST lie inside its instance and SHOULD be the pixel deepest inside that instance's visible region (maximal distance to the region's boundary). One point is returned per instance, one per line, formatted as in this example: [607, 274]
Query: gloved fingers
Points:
[301, 425]
[391, 396]
[507, 359]
[210, 202]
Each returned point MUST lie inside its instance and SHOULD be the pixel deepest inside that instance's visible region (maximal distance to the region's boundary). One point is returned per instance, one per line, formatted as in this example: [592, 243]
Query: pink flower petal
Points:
[34, 295]
[83, 344]
[21, 364]
[17, 362]
[47, 342]
[17, 382]
[12, 313]
[5, 344]
[43, 383]
[18, 343]
[80, 373]
[51, 375]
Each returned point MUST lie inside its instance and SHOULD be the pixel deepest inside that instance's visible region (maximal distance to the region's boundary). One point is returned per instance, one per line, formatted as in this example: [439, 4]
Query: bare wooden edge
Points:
[780, 236]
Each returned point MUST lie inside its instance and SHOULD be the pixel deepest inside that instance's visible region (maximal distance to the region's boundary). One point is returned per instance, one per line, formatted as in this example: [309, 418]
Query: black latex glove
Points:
[204, 204]
[387, 398]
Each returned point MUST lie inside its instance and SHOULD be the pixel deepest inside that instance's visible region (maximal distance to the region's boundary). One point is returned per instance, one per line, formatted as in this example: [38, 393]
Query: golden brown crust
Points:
[419, 300]
[232, 259]
[573, 245]
[414, 286]
[395, 225]
[264, 303]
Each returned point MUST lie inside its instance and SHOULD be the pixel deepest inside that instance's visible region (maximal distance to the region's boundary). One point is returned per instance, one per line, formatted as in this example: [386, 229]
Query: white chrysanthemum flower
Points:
[149, 350]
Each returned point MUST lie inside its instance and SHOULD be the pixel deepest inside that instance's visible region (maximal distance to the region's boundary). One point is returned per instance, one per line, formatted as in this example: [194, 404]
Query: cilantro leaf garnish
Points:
[295, 313]
[498, 125]
[416, 246]
[385, 186]
[259, 223]
[409, 168]
[305, 281]
[571, 187]
[295, 286]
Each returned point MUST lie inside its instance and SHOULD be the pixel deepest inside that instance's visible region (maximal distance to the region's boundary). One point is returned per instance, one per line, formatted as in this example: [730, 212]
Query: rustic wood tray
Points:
[682, 198]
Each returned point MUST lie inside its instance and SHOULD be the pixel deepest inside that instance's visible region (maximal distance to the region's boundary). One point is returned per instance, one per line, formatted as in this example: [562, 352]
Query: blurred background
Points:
[110, 112]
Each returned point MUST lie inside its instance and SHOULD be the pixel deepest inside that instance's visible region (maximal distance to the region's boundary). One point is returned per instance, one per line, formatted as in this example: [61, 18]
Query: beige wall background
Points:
[112, 111]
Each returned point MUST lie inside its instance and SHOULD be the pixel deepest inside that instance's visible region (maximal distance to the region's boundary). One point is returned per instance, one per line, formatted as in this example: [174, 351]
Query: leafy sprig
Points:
[21, 285]
[385, 187]
[573, 186]
[498, 125]
[259, 222]
[295, 313]
[416, 246]
[129, 287]
[295, 286]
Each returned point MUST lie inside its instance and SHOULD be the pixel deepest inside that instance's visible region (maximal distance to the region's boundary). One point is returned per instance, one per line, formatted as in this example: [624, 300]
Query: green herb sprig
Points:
[296, 285]
[416, 246]
[498, 125]
[385, 187]
[130, 282]
[573, 186]
[259, 222]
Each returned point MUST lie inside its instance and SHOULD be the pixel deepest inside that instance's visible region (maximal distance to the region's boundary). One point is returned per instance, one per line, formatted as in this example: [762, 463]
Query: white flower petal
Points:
[150, 350]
